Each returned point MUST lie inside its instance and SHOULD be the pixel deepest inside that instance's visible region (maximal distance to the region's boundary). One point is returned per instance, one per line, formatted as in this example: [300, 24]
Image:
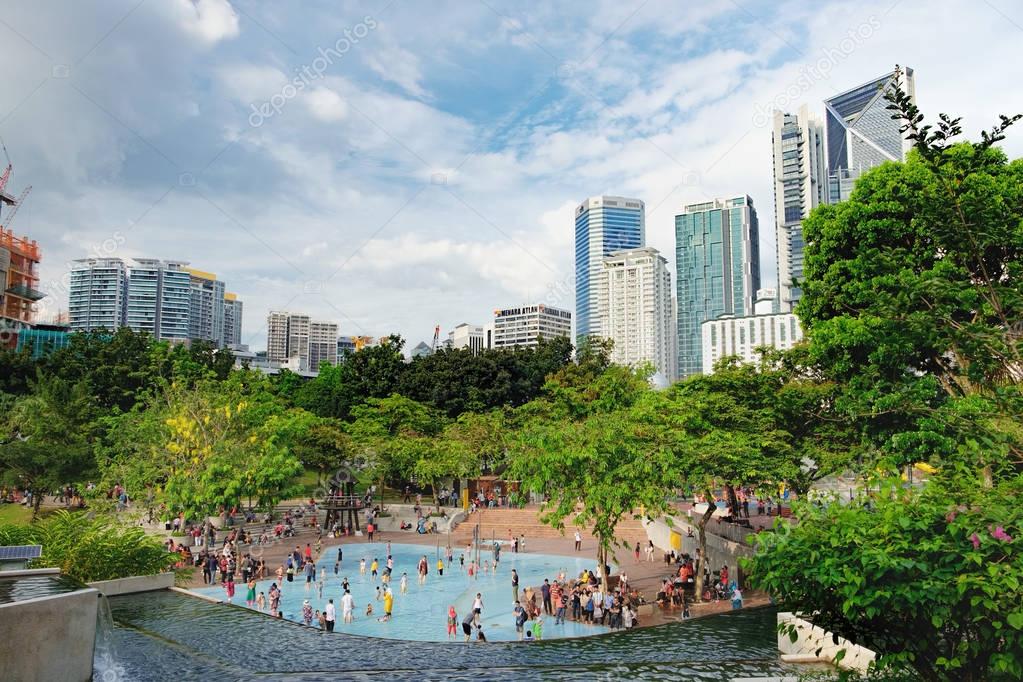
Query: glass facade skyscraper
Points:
[717, 262]
[800, 185]
[603, 224]
[861, 133]
[97, 294]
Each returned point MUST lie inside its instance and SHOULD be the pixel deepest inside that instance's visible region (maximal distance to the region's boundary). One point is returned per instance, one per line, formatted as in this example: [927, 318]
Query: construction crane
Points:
[436, 336]
[7, 171]
[17, 205]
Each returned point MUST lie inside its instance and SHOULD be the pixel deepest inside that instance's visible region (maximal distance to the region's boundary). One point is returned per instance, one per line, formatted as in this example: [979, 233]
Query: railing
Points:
[344, 501]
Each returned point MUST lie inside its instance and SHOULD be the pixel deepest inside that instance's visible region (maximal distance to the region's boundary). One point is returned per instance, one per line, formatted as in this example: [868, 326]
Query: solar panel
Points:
[20, 552]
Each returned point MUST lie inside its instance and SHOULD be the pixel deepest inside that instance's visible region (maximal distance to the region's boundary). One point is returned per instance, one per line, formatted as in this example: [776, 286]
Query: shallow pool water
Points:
[421, 613]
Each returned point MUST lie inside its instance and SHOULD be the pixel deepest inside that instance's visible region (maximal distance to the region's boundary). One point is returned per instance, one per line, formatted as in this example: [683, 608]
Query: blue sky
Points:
[426, 172]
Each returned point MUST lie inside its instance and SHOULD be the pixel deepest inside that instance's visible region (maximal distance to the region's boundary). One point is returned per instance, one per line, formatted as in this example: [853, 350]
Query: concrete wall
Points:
[141, 583]
[49, 638]
[811, 638]
[720, 551]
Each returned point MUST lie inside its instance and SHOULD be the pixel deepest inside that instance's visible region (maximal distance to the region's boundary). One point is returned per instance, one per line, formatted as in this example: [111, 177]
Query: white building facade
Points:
[742, 336]
[637, 312]
[296, 340]
[525, 325]
[468, 336]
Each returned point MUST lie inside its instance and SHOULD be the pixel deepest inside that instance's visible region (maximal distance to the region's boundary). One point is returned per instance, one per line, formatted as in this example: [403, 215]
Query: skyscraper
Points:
[159, 296]
[717, 261]
[98, 294]
[603, 224]
[861, 133]
[800, 185]
[465, 335]
[232, 320]
[206, 307]
[636, 310]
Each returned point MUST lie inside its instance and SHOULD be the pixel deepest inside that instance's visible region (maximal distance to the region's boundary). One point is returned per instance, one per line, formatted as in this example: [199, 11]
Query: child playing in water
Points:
[369, 609]
[452, 622]
[404, 583]
[362, 567]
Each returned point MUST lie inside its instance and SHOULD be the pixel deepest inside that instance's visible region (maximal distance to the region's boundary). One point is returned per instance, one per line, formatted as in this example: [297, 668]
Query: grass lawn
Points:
[16, 514]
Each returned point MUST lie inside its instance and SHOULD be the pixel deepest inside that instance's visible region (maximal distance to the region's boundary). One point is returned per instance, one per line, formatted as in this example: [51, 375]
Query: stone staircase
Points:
[501, 522]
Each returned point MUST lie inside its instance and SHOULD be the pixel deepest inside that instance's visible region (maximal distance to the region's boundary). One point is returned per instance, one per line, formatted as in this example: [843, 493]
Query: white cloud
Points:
[396, 65]
[208, 20]
[326, 105]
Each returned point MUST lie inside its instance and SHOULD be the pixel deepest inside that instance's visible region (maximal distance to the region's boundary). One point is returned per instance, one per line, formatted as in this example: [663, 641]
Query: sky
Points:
[395, 165]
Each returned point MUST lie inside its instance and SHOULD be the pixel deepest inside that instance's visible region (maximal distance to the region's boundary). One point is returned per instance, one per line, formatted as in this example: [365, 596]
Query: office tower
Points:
[861, 133]
[232, 320]
[717, 260]
[636, 310]
[296, 339]
[322, 344]
[159, 296]
[465, 335]
[206, 307]
[800, 185]
[97, 294]
[603, 224]
[525, 325]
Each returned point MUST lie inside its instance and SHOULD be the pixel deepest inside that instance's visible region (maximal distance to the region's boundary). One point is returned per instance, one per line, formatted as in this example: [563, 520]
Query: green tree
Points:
[601, 467]
[393, 433]
[45, 437]
[930, 578]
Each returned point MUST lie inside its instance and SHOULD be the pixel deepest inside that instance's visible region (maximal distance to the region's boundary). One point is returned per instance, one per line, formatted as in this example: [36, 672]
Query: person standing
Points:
[515, 586]
[545, 591]
[477, 609]
[440, 567]
[388, 603]
[307, 612]
[347, 606]
[452, 622]
[520, 618]
[423, 569]
[578, 541]
[369, 531]
[329, 615]
[404, 583]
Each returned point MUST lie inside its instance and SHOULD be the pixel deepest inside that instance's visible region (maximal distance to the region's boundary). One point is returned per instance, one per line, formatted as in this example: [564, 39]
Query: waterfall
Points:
[106, 667]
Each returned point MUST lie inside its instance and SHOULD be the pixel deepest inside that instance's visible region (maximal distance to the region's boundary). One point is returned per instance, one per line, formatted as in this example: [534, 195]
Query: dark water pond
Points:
[164, 635]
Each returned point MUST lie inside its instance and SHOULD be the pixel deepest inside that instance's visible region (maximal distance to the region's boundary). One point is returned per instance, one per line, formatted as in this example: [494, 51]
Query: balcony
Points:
[26, 292]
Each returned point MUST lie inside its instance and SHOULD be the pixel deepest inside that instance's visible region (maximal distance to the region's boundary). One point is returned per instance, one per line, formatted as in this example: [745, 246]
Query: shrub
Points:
[91, 549]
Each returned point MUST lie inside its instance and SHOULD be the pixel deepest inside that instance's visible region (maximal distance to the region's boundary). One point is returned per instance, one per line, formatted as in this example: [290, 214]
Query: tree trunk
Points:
[601, 563]
[701, 528]
[37, 500]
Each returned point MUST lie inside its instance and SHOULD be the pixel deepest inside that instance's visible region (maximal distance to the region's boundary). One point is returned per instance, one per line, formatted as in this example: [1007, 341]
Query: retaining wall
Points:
[720, 551]
[141, 583]
[816, 644]
[49, 638]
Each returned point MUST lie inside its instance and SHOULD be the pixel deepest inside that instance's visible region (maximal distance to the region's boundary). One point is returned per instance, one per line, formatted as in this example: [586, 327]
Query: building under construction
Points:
[19, 269]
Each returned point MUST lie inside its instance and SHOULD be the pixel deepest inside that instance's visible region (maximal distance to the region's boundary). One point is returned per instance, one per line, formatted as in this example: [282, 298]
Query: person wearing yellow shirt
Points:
[440, 567]
[373, 568]
[388, 604]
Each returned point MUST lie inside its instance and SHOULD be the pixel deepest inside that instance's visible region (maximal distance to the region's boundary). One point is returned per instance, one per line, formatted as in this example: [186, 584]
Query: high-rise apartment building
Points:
[232, 320]
[800, 185]
[470, 336]
[322, 344]
[717, 261]
[159, 298]
[206, 307]
[603, 224]
[525, 325]
[636, 310]
[296, 338]
[277, 336]
[97, 294]
[861, 133]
